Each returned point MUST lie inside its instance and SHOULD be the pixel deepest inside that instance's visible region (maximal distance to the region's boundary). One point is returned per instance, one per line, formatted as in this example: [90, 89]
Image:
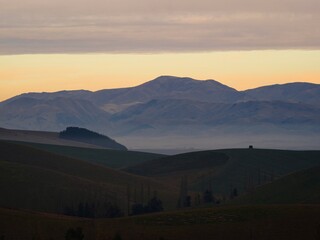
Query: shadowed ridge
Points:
[34, 179]
[87, 136]
[299, 187]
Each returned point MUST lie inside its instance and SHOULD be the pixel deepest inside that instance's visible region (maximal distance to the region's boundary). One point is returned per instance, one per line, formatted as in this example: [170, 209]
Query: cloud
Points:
[80, 26]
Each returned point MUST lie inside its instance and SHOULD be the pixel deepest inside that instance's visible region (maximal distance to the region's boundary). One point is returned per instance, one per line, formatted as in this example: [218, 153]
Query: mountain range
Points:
[173, 106]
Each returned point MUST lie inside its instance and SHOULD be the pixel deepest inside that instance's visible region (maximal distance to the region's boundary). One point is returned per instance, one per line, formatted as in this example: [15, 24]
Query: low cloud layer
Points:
[80, 26]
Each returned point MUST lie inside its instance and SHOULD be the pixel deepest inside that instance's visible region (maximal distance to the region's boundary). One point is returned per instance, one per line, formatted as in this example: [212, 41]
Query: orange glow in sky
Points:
[237, 69]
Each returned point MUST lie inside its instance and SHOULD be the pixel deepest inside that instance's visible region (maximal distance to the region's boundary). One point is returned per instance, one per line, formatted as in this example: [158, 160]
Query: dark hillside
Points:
[180, 162]
[39, 180]
[221, 170]
[298, 187]
[87, 136]
[250, 168]
[30, 225]
[106, 157]
[279, 222]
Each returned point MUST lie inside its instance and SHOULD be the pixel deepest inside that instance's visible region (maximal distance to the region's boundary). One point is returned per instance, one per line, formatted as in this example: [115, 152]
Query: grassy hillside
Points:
[35, 179]
[30, 225]
[109, 158]
[43, 181]
[278, 222]
[250, 168]
[222, 170]
[180, 162]
[299, 187]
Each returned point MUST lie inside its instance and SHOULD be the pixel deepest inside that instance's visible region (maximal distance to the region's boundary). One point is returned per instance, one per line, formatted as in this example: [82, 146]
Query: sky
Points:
[97, 44]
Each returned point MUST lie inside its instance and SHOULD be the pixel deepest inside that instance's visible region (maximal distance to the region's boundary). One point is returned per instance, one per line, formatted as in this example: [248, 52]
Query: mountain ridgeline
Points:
[174, 106]
[87, 136]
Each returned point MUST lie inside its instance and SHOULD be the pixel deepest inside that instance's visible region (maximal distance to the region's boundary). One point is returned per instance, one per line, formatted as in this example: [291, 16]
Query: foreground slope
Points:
[278, 222]
[35, 179]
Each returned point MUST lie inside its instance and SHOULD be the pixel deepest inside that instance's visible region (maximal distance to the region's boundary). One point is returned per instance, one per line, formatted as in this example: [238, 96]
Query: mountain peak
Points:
[169, 79]
[185, 82]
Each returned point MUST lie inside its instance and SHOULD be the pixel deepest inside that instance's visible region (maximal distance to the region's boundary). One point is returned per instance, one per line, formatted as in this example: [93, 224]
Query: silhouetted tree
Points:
[89, 210]
[117, 236]
[74, 234]
[208, 196]
[234, 193]
[154, 205]
[138, 209]
[197, 199]
[187, 202]
[80, 212]
[184, 199]
[69, 211]
[113, 211]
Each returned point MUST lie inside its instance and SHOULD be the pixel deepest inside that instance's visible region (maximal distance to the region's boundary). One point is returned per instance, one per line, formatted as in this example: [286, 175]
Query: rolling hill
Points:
[43, 181]
[222, 170]
[299, 187]
[87, 136]
[54, 138]
[36, 183]
[105, 157]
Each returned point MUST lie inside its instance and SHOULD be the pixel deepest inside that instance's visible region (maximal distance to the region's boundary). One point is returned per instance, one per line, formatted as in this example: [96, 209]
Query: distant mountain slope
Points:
[290, 92]
[72, 94]
[49, 114]
[168, 87]
[171, 105]
[87, 136]
[173, 112]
